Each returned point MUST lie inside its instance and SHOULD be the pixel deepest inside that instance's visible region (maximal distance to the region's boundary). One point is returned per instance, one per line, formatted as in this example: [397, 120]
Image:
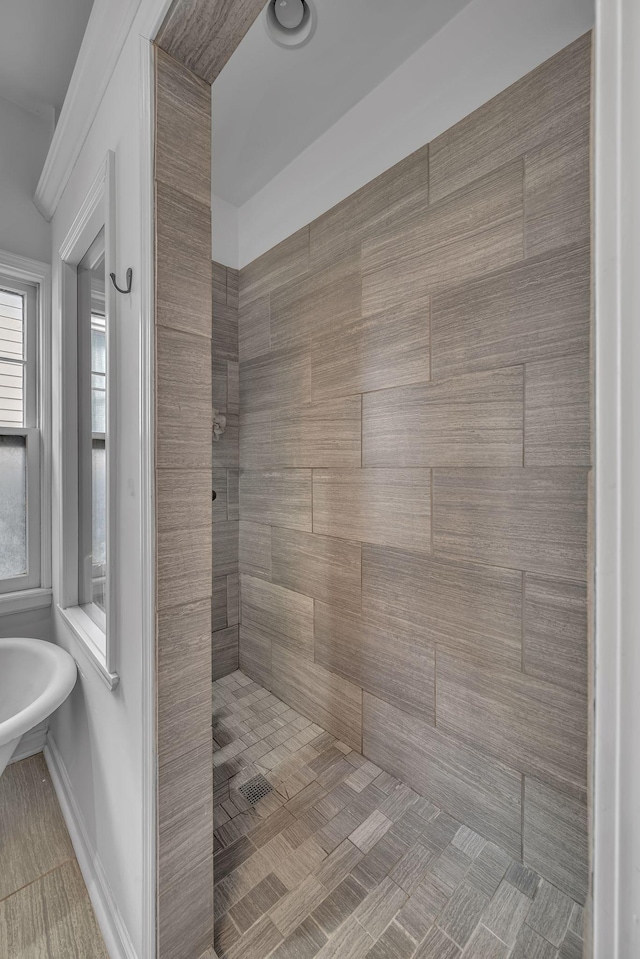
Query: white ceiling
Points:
[39, 43]
[270, 103]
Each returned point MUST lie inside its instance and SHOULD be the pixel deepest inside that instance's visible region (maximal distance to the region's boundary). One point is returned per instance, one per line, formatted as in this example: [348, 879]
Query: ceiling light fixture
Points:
[290, 23]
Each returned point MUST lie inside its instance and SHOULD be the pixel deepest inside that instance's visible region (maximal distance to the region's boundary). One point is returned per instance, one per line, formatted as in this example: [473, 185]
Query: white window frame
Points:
[33, 280]
[97, 212]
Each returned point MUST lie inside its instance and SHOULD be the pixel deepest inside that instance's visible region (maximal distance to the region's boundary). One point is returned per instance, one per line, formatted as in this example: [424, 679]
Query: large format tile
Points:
[556, 639]
[33, 836]
[275, 379]
[555, 838]
[531, 519]
[285, 615]
[183, 566]
[475, 610]
[255, 549]
[183, 264]
[225, 549]
[552, 99]
[391, 507]
[185, 811]
[557, 423]
[536, 309]
[472, 420]
[254, 328]
[185, 912]
[478, 790]
[324, 697]
[224, 651]
[255, 654]
[183, 499]
[183, 400]
[325, 567]
[326, 433]
[276, 497]
[281, 264]
[388, 657]
[51, 917]
[537, 727]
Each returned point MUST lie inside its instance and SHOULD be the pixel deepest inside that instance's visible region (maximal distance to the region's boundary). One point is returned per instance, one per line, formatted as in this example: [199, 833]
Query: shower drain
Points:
[254, 789]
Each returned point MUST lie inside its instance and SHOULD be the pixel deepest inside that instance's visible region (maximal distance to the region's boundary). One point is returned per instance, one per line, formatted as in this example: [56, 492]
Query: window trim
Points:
[37, 593]
[97, 212]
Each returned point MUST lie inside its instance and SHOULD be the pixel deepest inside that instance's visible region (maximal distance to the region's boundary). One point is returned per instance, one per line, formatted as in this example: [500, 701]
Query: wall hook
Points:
[129, 278]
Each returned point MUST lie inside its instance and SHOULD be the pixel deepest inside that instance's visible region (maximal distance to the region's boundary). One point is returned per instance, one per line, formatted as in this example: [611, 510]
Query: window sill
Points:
[23, 600]
[84, 632]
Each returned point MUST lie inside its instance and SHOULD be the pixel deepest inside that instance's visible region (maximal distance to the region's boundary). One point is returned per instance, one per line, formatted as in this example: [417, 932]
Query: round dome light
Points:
[290, 23]
[289, 13]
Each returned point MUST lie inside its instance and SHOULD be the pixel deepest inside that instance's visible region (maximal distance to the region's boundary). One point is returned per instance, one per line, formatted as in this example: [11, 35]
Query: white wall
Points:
[99, 734]
[24, 141]
[488, 46]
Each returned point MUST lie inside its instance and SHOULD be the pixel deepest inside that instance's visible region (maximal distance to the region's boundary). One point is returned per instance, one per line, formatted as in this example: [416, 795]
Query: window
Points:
[19, 437]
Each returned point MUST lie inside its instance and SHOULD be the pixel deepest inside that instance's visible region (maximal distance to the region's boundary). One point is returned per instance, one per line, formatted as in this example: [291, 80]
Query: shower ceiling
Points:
[270, 103]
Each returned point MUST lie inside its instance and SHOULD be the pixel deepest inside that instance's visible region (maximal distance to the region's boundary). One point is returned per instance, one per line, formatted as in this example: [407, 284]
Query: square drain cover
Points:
[254, 789]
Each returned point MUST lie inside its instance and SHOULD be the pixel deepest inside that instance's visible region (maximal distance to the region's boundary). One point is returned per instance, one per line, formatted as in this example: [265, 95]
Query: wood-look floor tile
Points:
[506, 912]
[294, 907]
[533, 519]
[422, 909]
[325, 567]
[482, 792]
[349, 942]
[52, 916]
[257, 902]
[399, 670]
[304, 942]
[460, 916]
[550, 913]
[436, 945]
[534, 310]
[409, 872]
[529, 945]
[394, 943]
[471, 609]
[473, 420]
[376, 911]
[555, 837]
[557, 425]
[484, 945]
[285, 615]
[277, 498]
[257, 943]
[552, 98]
[339, 864]
[526, 880]
[539, 728]
[33, 837]
[391, 507]
[370, 831]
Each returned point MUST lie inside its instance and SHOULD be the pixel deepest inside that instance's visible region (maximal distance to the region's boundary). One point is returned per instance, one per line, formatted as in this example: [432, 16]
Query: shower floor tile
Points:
[342, 860]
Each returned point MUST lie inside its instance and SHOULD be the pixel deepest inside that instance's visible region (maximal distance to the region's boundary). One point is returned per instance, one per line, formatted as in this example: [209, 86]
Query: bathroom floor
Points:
[342, 861]
[44, 906]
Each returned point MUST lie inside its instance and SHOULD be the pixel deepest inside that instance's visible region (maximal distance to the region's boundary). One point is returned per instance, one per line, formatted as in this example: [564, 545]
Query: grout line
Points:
[522, 819]
[522, 602]
[524, 402]
[38, 878]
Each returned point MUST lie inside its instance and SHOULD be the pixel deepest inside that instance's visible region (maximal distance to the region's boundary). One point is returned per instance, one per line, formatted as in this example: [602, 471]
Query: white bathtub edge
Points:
[31, 743]
[113, 929]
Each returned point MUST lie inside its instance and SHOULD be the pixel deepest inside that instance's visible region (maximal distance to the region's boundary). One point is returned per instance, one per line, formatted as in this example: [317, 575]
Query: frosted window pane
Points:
[99, 509]
[97, 411]
[98, 350]
[13, 506]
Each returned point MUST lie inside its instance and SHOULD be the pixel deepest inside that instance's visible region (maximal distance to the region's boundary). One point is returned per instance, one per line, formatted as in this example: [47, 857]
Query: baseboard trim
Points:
[112, 927]
[31, 743]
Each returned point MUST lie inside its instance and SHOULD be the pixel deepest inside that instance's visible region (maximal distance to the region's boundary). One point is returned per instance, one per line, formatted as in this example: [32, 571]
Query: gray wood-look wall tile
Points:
[283, 263]
[557, 193]
[325, 567]
[225, 549]
[276, 497]
[255, 655]
[555, 841]
[225, 331]
[185, 911]
[184, 679]
[532, 519]
[224, 652]
[557, 425]
[550, 100]
[219, 283]
[220, 505]
[326, 433]
[371, 353]
[276, 379]
[255, 440]
[233, 494]
[473, 787]
[183, 566]
[183, 266]
[255, 549]
[219, 603]
[391, 507]
[226, 449]
[183, 500]
[535, 310]
[185, 810]
[219, 395]
[397, 195]
[474, 610]
[537, 727]
[183, 115]
[51, 916]
[233, 287]
[387, 657]
[555, 642]
[473, 420]
[233, 384]
[327, 699]
[285, 615]
[183, 400]
[254, 328]
[414, 276]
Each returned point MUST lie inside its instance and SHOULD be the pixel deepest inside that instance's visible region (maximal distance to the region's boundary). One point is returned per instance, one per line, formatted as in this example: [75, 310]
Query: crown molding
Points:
[109, 26]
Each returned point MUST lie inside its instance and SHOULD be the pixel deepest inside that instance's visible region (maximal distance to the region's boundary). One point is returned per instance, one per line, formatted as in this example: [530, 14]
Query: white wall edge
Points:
[114, 932]
[484, 49]
[109, 26]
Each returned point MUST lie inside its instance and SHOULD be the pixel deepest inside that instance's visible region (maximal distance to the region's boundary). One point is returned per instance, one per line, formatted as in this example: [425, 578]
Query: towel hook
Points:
[129, 278]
